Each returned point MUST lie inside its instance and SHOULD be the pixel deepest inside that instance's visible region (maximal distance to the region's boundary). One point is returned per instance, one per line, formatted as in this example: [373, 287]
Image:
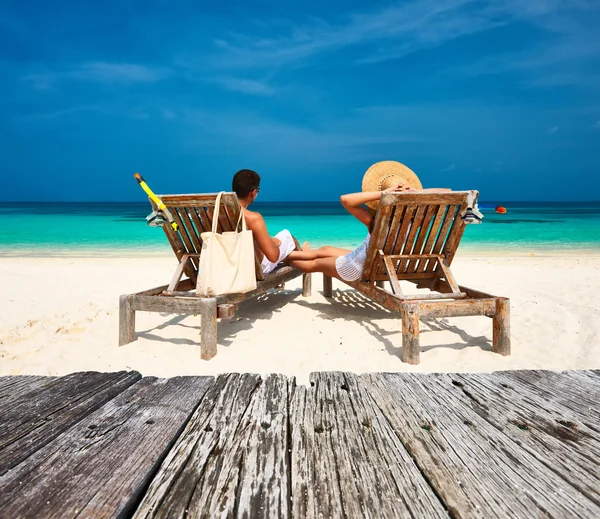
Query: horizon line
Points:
[274, 201]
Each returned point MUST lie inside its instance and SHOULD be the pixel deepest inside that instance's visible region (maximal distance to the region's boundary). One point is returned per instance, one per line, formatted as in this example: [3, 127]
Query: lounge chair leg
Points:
[327, 285]
[501, 327]
[126, 320]
[411, 349]
[208, 328]
[306, 285]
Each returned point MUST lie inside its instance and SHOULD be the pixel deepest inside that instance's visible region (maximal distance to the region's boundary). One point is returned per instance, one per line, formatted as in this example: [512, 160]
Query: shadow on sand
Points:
[348, 305]
[259, 308]
[356, 307]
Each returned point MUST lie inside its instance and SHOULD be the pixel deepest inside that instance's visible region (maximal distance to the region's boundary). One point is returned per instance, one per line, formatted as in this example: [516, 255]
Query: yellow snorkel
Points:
[156, 218]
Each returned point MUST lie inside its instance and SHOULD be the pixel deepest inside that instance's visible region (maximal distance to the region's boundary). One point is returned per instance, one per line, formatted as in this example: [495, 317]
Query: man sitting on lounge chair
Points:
[246, 184]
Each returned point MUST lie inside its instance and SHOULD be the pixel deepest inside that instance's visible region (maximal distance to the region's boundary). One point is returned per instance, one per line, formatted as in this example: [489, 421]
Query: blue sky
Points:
[501, 96]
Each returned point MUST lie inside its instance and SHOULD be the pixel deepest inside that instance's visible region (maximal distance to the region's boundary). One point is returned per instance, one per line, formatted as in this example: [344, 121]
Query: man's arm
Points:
[268, 246]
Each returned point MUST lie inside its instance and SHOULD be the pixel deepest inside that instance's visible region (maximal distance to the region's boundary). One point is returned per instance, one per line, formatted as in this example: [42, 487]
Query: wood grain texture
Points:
[554, 435]
[472, 465]
[13, 388]
[346, 460]
[36, 416]
[505, 444]
[576, 391]
[101, 465]
[231, 460]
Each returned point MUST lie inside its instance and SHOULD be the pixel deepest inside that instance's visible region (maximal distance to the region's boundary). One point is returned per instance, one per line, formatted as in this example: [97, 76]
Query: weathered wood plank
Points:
[192, 303]
[126, 320]
[346, 459]
[15, 387]
[570, 389]
[552, 434]
[428, 198]
[40, 415]
[100, 467]
[474, 468]
[196, 199]
[231, 460]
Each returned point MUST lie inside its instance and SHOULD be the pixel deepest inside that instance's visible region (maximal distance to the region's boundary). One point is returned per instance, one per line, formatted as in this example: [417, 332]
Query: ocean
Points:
[119, 229]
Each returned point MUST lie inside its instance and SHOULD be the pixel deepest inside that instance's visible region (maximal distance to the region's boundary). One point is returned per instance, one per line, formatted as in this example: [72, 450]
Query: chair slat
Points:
[455, 235]
[198, 223]
[196, 200]
[423, 233]
[192, 233]
[396, 222]
[189, 247]
[415, 226]
[433, 232]
[378, 238]
[441, 238]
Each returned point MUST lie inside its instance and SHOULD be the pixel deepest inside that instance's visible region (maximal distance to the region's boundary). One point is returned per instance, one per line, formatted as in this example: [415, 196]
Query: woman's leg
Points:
[324, 265]
[322, 252]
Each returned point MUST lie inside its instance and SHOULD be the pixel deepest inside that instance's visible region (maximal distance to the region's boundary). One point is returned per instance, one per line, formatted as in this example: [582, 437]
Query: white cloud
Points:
[101, 72]
[385, 34]
[451, 167]
[119, 73]
[167, 113]
[245, 86]
[562, 59]
[335, 141]
[58, 113]
[397, 30]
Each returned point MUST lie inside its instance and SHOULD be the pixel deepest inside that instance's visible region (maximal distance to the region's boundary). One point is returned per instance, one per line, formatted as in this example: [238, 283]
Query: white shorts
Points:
[287, 246]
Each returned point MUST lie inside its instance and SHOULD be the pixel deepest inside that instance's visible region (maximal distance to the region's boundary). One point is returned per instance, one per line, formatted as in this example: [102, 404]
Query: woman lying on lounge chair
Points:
[346, 264]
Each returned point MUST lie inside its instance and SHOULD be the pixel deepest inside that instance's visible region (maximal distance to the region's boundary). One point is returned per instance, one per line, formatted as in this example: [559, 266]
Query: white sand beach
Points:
[60, 315]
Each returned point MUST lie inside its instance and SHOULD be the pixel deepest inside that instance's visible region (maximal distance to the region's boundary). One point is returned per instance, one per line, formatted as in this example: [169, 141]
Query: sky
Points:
[502, 96]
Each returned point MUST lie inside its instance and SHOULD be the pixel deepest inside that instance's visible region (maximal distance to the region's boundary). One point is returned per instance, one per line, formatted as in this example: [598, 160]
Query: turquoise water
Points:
[40, 229]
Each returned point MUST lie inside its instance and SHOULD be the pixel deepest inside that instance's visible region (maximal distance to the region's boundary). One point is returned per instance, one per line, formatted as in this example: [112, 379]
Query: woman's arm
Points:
[353, 202]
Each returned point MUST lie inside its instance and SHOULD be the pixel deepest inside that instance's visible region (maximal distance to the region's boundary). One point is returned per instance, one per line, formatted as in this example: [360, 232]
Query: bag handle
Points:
[216, 215]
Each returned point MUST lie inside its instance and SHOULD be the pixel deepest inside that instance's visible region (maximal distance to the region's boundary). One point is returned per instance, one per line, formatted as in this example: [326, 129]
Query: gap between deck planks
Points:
[509, 444]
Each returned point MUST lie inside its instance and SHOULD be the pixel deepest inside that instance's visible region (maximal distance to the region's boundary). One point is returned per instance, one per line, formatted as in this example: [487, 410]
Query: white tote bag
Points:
[226, 260]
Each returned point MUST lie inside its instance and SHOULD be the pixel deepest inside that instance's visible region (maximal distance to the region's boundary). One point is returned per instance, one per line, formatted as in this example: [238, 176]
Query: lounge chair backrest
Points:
[194, 215]
[413, 225]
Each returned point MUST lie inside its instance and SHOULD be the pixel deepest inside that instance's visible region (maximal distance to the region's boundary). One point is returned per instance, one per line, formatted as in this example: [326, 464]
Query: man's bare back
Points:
[272, 249]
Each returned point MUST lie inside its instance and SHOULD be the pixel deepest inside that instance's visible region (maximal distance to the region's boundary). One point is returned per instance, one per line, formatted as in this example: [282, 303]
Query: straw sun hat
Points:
[388, 173]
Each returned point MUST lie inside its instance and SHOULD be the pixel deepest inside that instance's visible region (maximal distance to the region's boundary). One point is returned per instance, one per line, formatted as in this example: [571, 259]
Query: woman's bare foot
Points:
[306, 246]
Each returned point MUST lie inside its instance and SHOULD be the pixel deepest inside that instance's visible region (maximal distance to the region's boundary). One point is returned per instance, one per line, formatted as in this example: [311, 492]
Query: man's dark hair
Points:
[244, 182]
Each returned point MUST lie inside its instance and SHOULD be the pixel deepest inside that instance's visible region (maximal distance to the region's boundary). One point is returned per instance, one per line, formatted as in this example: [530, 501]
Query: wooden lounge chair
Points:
[415, 237]
[194, 215]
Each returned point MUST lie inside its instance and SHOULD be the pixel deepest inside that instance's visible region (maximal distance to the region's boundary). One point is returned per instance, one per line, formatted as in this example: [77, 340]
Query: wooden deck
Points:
[510, 444]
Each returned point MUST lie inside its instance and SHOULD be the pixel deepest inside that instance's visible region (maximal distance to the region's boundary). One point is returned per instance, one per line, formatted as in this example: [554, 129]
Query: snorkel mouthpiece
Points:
[156, 219]
[470, 216]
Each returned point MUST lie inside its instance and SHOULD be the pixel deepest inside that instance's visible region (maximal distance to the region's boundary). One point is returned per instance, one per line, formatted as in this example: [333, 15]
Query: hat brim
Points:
[388, 173]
